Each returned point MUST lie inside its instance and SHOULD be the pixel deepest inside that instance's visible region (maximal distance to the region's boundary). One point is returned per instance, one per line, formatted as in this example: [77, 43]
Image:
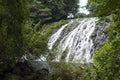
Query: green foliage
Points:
[37, 44]
[103, 7]
[71, 6]
[66, 71]
[39, 12]
[52, 10]
[107, 57]
[13, 16]
[61, 8]
[107, 61]
[48, 29]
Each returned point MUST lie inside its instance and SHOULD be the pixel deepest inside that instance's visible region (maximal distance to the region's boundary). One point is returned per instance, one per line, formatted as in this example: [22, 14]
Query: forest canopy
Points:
[52, 10]
[103, 7]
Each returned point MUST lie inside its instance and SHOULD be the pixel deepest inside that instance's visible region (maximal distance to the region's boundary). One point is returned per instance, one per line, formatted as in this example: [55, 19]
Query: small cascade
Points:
[73, 40]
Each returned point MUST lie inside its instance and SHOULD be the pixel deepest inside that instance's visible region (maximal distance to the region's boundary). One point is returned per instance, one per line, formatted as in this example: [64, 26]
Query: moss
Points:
[48, 29]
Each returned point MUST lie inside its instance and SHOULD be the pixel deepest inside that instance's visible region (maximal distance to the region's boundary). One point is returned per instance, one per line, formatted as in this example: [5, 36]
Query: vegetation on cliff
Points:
[107, 57]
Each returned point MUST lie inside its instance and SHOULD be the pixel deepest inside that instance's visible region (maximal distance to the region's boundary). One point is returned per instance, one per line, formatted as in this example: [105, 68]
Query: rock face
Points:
[99, 36]
[77, 40]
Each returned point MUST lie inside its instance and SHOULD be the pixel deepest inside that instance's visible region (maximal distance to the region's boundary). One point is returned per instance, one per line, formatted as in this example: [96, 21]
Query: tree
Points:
[71, 6]
[13, 16]
[103, 7]
[39, 12]
[52, 10]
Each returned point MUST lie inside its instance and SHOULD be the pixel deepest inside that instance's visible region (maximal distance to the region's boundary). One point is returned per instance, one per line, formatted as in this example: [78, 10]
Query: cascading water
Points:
[55, 36]
[73, 40]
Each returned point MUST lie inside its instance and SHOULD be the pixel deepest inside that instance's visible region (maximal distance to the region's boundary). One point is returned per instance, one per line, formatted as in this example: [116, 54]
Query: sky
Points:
[82, 4]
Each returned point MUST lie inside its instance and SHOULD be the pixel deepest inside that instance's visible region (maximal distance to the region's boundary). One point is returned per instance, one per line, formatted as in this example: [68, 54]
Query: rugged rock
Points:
[99, 36]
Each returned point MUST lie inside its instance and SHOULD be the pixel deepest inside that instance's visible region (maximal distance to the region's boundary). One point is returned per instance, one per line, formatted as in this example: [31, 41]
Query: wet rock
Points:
[99, 36]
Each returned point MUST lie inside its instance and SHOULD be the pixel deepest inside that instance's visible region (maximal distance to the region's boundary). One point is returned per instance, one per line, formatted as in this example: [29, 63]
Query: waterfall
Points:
[73, 40]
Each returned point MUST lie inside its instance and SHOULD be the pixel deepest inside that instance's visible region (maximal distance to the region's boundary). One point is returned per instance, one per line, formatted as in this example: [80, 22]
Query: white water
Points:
[77, 41]
[55, 36]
